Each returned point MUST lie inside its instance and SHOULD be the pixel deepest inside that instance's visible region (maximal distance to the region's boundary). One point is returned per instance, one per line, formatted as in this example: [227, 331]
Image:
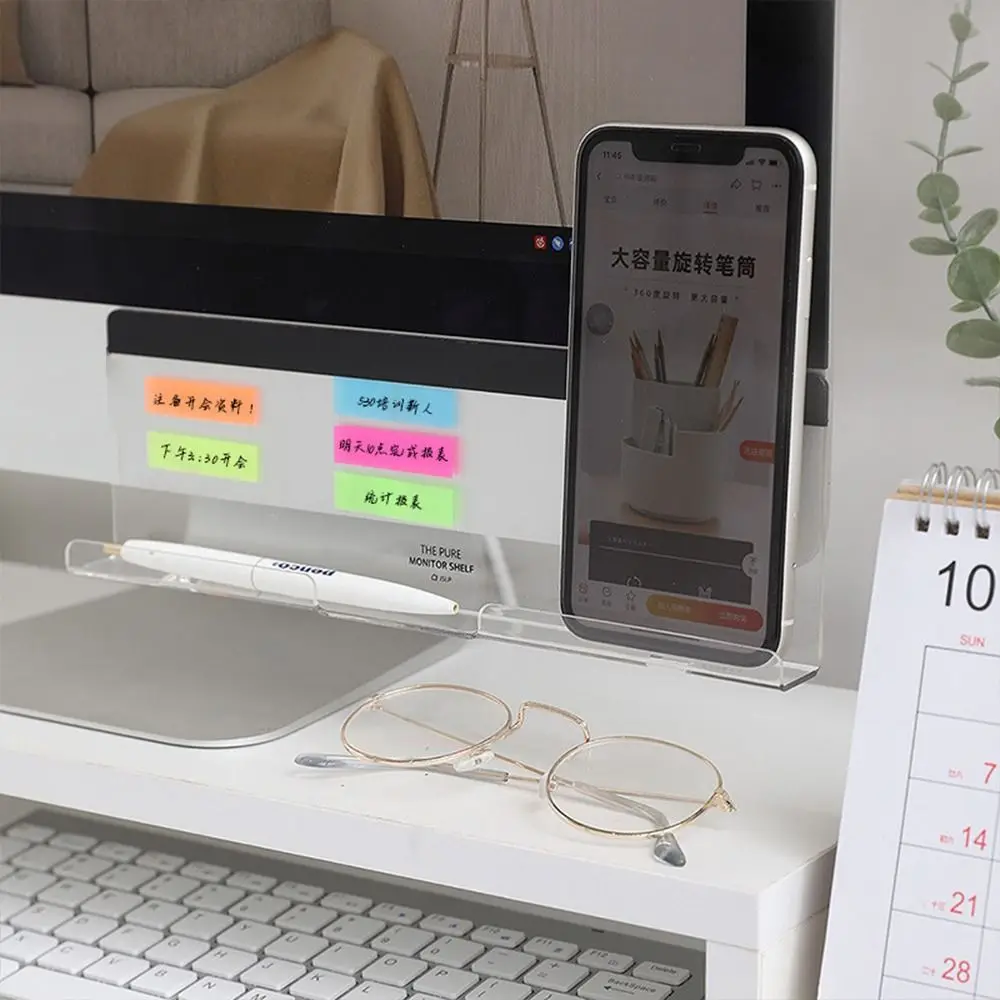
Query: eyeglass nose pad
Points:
[474, 762]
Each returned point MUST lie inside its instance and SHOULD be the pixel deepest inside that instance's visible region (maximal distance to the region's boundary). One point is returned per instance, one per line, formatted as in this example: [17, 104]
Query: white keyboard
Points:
[91, 911]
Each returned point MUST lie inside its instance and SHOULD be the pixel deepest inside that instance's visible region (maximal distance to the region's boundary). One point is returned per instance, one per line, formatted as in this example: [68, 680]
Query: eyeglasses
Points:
[596, 785]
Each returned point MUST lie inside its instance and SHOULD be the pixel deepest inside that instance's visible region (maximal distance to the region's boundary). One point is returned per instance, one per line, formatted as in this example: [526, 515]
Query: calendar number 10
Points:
[978, 589]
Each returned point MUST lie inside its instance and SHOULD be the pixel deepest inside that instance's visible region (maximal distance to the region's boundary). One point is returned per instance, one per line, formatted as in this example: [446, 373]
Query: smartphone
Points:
[692, 260]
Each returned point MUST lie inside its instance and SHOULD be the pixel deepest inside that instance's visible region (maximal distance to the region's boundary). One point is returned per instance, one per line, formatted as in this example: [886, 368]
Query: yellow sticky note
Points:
[202, 456]
[399, 499]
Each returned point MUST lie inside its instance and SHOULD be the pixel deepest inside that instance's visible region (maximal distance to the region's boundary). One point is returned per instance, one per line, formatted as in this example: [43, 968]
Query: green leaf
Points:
[961, 26]
[941, 70]
[966, 307]
[974, 274]
[962, 151]
[975, 338]
[923, 147]
[934, 215]
[937, 190]
[978, 227]
[996, 428]
[983, 383]
[948, 108]
[933, 247]
[970, 71]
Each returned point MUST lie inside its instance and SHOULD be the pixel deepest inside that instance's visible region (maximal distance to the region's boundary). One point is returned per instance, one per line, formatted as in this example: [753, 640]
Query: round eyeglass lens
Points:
[627, 786]
[424, 725]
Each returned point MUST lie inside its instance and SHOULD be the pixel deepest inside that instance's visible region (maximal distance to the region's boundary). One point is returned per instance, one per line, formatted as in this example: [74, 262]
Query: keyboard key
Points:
[85, 929]
[401, 940]
[202, 924]
[250, 882]
[161, 862]
[205, 873]
[497, 937]
[155, 915]
[501, 963]
[262, 909]
[112, 904]
[609, 986]
[438, 923]
[543, 947]
[6, 870]
[346, 903]
[560, 977]
[217, 898]
[11, 905]
[40, 858]
[296, 947]
[394, 970]
[26, 947]
[42, 984]
[213, 989]
[298, 892]
[320, 985]
[111, 850]
[353, 930]
[41, 917]
[31, 832]
[117, 970]
[347, 959]
[7, 968]
[669, 975]
[70, 958]
[305, 919]
[273, 974]
[549, 995]
[131, 940]
[259, 994]
[72, 842]
[170, 888]
[607, 961]
[249, 936]
[69, 893]
[499, 989]
[177, 950]
[449, 984]
[393, 914]
[125, 878]
[224, 963]
[164, 981]
[26, 883]
[82, 867]
[454, 952]
[10, 846]
[5, 931]
[373, 991]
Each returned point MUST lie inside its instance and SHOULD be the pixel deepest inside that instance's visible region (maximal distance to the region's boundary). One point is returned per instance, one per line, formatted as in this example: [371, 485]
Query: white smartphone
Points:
[692, 269]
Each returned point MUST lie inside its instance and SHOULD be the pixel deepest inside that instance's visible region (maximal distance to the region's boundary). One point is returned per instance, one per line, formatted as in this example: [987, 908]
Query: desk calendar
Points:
[915, 911]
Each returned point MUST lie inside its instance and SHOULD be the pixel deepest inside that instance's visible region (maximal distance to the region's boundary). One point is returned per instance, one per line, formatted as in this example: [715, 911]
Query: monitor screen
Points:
[339, 162]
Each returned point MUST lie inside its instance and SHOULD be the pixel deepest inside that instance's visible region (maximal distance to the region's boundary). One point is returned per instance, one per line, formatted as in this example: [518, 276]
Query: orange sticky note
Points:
[192, 399]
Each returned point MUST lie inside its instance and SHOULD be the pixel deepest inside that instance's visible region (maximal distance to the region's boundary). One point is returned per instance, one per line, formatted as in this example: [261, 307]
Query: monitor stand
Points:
[186, 669]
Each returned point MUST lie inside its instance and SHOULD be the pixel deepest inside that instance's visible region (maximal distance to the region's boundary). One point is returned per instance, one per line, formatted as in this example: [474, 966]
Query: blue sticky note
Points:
[395, 402]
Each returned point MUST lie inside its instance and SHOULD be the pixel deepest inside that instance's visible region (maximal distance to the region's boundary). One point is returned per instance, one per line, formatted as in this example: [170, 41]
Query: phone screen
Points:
[676, 485]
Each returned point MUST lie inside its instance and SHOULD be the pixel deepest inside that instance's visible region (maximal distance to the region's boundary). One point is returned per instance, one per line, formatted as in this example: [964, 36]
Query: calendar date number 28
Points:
[976, 589]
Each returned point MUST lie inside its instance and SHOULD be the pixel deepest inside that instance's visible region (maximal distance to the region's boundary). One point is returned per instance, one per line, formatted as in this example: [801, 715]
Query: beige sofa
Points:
[95, 62]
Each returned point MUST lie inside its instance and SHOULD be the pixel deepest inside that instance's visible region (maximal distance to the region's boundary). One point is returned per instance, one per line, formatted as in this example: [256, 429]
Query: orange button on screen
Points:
[686, 609]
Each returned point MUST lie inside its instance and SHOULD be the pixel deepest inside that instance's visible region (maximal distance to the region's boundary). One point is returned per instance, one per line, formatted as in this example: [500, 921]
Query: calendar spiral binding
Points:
[954, 490]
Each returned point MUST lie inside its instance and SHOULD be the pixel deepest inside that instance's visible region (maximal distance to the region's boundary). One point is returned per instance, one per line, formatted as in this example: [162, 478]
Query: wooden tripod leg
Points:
[484, 76]
[449, 76]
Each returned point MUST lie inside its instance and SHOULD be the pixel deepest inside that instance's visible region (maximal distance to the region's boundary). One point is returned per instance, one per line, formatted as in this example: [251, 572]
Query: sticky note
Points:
[202, 456]
[396, 450]
[377, 496]
[395, 402]
[192, 399]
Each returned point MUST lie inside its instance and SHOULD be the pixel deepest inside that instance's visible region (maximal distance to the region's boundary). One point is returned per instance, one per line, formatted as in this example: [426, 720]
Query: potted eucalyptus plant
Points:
[974, 268]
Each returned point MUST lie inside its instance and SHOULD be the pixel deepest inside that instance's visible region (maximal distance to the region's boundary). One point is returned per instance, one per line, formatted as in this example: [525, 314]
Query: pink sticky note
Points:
[397, 450]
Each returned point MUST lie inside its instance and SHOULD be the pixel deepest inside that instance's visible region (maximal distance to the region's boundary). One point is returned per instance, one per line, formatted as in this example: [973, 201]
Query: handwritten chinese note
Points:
[396, 450]
[394, 402]
[398, 499]
[201, 456]
[193, 399]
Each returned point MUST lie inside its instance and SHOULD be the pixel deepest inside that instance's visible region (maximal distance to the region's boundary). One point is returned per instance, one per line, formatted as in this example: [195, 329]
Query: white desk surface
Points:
[751, 877]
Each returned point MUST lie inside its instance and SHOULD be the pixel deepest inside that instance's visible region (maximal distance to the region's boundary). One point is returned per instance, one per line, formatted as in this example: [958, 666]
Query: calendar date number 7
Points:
[976, 589]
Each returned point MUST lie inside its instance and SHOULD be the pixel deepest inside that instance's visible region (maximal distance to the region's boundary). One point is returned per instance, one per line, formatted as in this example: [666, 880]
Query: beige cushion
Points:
[45, 134]
[196, 43]
[54, 42]
[12, 69]
[110, 109]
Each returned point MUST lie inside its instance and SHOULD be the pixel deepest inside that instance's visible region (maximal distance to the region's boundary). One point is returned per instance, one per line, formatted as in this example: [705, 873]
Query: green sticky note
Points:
[203, 456]
[399, 499]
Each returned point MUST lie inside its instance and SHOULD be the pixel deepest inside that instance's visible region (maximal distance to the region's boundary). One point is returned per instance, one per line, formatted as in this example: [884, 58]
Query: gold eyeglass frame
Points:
[473, 756]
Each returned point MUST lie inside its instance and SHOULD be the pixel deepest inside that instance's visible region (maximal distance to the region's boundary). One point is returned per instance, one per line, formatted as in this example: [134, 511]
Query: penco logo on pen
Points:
[299, 568]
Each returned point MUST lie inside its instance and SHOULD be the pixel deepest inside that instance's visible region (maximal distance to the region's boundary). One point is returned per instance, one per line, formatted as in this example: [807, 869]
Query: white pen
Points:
[280, 578]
